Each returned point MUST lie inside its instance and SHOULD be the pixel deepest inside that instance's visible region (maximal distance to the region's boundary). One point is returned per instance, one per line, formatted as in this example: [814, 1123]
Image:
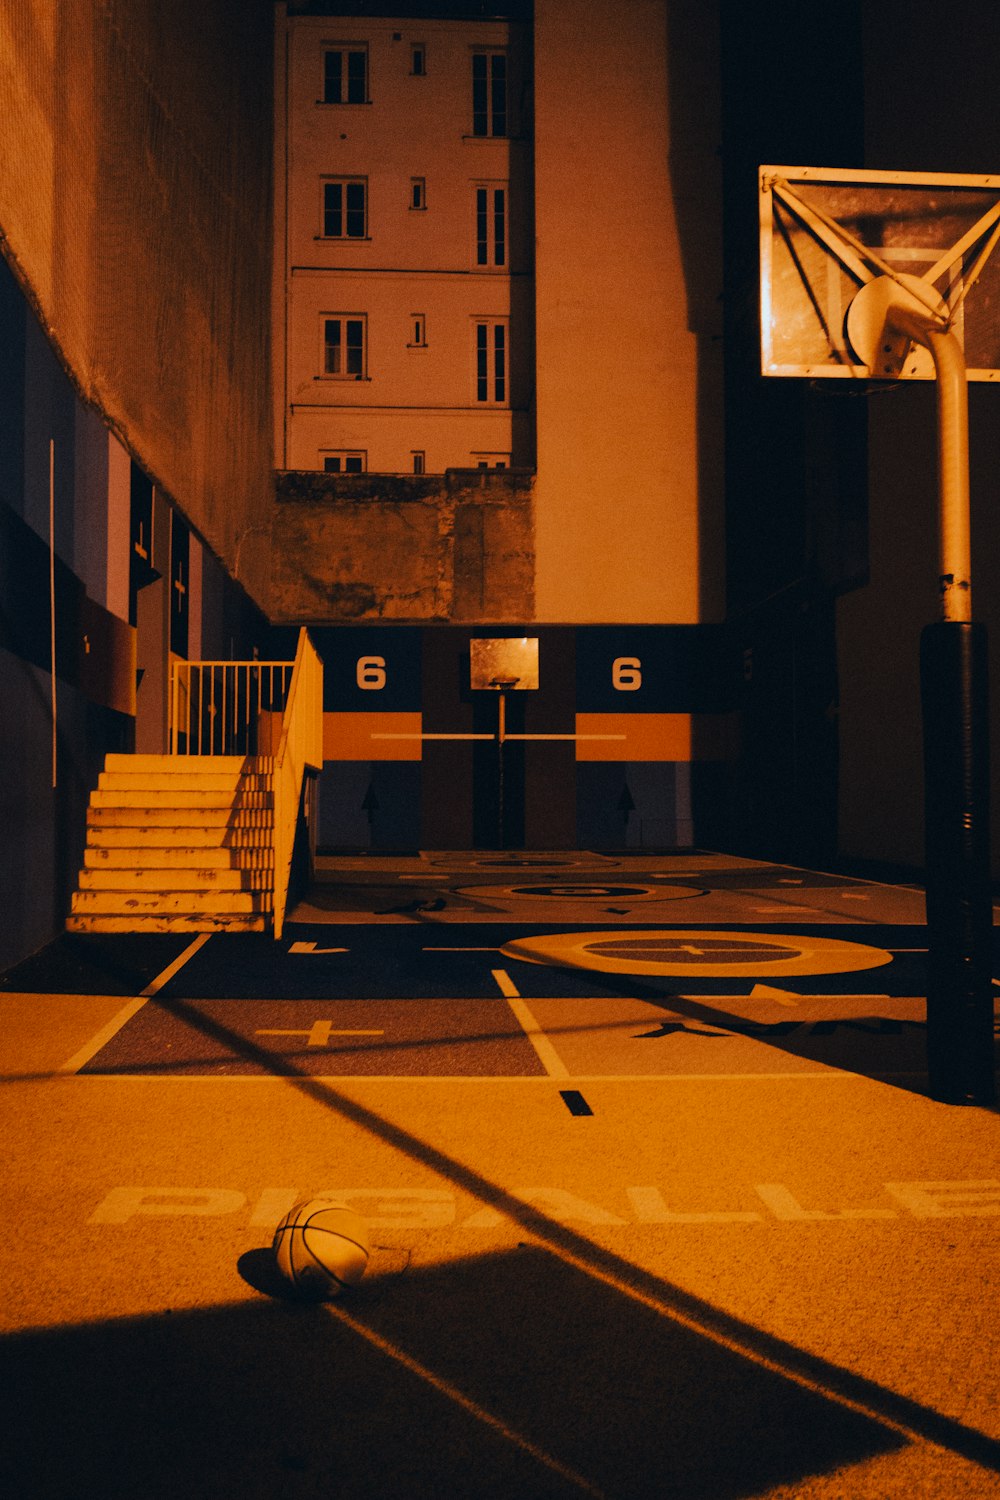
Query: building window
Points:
[489, 93]
[345, 202]
[418, 192]
[418, 60]
[491, 361]
[491, 225]
[418, 331]
[344, 346]
[345, 75]
[491, 460]
[344, 462]
[419, 462]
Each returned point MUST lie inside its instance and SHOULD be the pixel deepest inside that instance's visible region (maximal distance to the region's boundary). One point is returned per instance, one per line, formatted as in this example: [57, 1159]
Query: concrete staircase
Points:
[178, 843]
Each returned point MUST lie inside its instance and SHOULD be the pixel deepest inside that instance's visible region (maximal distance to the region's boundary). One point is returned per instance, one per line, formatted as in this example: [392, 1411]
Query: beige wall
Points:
[628, 493]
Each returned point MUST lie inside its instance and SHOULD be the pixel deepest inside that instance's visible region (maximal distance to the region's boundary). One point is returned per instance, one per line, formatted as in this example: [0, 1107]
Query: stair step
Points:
[215, 839]
[184, 922]
[182, 819]
[261, 764]
[168, 903]
[167, 880]
[173, 856]
[243, 801]
[191, 781]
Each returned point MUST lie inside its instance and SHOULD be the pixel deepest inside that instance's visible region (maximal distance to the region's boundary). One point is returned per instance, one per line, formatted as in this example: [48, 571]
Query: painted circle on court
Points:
[527, 862]
[581, 890]
[707, 954]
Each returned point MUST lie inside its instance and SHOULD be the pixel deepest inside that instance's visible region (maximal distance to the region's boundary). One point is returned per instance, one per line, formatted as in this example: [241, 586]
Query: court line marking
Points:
[506, 985]
[168, 973]
[482, 1078]
[101, 1038]
[547, 1054]
[466, 1403]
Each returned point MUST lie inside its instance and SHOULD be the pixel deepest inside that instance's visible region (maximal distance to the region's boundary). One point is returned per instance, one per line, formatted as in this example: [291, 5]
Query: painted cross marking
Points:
[318, 1034]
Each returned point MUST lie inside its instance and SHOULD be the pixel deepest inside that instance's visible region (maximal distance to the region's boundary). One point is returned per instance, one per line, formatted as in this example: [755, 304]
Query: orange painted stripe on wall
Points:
[658, 736]
[349, 736]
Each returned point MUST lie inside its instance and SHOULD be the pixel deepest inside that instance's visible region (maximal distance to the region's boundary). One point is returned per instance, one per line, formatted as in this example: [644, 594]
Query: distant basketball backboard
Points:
[826, 233]
[504, 663]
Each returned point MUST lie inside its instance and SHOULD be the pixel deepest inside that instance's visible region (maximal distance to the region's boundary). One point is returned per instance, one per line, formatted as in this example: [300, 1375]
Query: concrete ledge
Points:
[448, 547]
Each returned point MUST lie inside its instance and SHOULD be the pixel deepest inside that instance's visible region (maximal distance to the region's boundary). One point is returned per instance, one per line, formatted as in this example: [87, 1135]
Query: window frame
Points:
[344, 344]
[344, 183]
[418, 189]
[345, 456]
[491, 361]
[491, 251]
[490, 94]
[344, 50]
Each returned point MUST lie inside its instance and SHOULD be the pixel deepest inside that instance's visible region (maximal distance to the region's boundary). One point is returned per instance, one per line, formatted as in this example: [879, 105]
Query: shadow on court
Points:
[506, 1375]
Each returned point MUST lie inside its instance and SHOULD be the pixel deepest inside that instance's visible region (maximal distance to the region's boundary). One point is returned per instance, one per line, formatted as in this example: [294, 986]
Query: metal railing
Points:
[260, 708]
[227, 707]
[300, 748]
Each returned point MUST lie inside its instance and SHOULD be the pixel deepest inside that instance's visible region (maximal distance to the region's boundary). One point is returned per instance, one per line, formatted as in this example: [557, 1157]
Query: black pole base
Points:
[955, 700]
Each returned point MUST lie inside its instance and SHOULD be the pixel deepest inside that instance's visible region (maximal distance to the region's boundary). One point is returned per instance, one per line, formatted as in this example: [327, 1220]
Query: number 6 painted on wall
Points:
[371, 673]
[626, 674]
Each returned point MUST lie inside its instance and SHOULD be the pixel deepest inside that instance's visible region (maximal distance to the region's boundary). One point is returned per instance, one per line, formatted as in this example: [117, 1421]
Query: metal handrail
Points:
[226, 707]
[257, 708]
[300, 749]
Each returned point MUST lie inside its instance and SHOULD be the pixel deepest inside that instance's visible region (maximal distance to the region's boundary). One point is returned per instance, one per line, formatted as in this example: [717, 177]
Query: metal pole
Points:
[955, 708]
[52, 608]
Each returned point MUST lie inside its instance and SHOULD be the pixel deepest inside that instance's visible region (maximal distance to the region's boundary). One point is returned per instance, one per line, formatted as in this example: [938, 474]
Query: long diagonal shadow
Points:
[907, 1417]
[110, 1068]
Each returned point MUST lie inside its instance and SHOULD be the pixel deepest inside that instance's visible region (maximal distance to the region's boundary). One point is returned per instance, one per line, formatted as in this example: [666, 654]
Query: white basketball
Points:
[321, 1246]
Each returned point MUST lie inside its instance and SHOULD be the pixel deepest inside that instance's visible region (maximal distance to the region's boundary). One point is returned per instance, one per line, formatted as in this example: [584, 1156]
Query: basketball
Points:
[321, 1246]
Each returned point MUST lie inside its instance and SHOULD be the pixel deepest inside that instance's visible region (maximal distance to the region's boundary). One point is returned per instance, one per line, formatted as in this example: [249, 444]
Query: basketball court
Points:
[652, 1184]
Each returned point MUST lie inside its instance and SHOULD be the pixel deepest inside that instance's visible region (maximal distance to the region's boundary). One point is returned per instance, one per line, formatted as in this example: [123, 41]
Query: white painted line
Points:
[507, 986]
[157, 984]
[101, 1039]
[465, 1403]
[547, 1054]
[90, 1049]
[336, 1079]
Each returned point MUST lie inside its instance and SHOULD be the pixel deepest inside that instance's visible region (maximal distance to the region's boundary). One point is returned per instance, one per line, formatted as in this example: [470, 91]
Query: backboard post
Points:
[839, 253]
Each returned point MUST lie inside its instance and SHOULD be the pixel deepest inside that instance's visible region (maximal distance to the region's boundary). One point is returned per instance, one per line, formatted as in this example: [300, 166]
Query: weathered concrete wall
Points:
[452, 547]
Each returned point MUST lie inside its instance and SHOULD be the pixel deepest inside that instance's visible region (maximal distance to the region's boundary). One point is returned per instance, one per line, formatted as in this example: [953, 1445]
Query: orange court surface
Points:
[657, 1200]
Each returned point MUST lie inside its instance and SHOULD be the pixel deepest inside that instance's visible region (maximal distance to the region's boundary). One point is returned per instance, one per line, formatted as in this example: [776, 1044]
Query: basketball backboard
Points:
[826, 233]
[504, 663]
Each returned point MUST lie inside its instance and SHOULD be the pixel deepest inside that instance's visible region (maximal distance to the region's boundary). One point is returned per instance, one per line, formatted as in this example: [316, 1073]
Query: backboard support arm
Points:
[955, 712]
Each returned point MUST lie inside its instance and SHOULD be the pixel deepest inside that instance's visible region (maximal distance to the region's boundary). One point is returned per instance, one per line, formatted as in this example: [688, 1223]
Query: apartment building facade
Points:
[403, 245]
[497, 381]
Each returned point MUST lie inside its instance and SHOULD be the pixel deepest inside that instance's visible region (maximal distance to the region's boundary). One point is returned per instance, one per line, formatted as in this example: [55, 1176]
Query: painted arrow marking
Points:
[312, 948]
